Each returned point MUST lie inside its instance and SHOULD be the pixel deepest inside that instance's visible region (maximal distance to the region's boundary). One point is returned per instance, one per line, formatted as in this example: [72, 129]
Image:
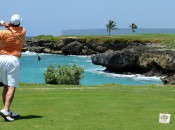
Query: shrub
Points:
[64, 74]
[50, 76]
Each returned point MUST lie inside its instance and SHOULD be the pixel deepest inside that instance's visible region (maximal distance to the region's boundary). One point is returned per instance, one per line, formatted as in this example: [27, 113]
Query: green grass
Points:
[132, 37]
[105, 107]
[150, 37]
[47, 37]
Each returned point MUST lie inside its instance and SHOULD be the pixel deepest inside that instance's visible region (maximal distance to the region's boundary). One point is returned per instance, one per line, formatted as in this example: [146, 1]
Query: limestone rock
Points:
[151, 63]
[72, 48]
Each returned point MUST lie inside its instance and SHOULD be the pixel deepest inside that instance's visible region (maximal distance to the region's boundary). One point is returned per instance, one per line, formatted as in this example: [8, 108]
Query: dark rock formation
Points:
[68, 40]
[169, 79]
[75, 45]
[148, 61]
[42, 46]
[142, 62]
[73, 48]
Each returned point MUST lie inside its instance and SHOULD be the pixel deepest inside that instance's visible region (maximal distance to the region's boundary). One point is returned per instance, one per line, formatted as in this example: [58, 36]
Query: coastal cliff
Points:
[74, 45]
[117, 55]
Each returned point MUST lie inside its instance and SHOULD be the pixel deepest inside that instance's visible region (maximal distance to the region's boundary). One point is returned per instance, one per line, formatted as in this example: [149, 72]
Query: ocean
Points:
[32, 70]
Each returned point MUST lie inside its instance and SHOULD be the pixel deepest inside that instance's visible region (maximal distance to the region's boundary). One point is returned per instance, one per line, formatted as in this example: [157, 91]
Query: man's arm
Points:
[4, 24]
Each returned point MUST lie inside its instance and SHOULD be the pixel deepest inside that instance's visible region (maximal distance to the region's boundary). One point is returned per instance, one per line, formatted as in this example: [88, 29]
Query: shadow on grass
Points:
[28, 117]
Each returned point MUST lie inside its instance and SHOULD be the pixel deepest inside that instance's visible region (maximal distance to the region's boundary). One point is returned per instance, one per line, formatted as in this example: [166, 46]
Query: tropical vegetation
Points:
[111, 25]
[64, 74]
[133, 26]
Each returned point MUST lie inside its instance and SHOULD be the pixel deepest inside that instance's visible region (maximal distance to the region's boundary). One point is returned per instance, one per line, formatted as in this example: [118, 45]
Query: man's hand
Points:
[7, 25]
[2, 23]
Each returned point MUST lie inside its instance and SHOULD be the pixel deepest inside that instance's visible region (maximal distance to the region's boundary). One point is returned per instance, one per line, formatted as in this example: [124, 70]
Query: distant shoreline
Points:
[29, 37]
[120, 31]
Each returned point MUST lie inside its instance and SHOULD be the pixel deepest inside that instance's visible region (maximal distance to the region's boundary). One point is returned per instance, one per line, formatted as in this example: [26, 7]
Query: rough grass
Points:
[103, 107]
[132, 37]
[47, 37]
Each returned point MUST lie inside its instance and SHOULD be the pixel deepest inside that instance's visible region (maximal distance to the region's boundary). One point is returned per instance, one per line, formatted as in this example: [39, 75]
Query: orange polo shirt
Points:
[10, 43]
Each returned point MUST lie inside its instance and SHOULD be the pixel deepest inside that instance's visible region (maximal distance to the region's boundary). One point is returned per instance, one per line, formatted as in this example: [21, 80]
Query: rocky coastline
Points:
[119, 56]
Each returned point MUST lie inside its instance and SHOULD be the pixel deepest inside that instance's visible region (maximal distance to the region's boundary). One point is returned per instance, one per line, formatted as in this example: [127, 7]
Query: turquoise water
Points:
[32, 71]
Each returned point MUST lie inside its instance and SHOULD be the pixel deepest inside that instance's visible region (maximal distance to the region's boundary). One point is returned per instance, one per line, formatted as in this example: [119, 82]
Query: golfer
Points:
[11, 44]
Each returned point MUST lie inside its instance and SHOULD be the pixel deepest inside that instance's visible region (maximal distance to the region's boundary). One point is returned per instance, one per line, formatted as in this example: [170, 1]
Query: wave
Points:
[133, 76]
[28, 53]
[81, 56]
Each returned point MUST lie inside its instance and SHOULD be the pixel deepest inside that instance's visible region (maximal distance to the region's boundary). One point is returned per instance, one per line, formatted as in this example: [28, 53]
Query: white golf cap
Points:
[15, 19]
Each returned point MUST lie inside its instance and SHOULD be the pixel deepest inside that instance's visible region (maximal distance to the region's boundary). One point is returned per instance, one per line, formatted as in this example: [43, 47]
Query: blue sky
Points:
[50, 17]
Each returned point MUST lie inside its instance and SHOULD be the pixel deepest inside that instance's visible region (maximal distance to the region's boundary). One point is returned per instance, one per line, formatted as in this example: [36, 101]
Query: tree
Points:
[111, 26]
[133, 27]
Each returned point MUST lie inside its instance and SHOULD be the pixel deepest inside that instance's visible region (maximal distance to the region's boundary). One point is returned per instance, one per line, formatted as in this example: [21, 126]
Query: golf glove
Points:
[2, 23]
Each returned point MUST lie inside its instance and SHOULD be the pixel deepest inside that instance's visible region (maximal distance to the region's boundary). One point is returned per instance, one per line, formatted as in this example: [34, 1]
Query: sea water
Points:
[32, 70]
[119, 31]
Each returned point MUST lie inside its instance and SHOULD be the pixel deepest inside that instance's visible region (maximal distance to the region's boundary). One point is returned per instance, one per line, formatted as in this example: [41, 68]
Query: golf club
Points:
[2, 23]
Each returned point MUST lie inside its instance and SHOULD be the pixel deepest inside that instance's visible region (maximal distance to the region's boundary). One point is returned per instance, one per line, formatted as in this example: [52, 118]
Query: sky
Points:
[51, 17]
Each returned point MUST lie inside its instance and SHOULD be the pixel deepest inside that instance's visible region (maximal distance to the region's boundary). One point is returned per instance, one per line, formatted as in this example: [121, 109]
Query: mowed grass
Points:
[103, 107]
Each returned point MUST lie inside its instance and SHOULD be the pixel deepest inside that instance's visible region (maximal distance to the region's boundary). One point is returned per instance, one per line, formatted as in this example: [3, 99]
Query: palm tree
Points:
[111, 26]
[133, 27]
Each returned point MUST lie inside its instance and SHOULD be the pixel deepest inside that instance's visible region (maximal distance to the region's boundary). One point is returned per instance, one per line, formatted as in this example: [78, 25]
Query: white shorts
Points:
[9, 70]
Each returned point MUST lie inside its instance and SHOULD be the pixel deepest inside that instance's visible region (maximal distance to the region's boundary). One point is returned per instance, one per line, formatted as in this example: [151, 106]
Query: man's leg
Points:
[8, 96]
[4, 93]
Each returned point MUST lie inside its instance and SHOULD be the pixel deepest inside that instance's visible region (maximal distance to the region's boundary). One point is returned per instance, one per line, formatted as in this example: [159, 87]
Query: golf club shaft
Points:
[2, 23]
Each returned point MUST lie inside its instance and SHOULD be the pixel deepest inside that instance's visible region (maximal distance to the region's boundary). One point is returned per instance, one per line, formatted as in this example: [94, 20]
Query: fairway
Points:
[103, 107]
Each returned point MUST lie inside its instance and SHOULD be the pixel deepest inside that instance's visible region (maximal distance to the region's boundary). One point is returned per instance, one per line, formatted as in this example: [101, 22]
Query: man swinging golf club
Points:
[10, 52]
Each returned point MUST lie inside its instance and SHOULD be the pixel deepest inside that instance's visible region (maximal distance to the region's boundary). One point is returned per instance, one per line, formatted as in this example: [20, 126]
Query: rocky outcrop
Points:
[142, 62]
[147, 61]
[72, 48]
[43, 46]
[75, 45]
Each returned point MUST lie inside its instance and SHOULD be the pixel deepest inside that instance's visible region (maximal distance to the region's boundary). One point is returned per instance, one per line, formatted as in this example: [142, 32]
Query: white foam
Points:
[88, 61]
[133, 76]
[80, 56]
[28, 53]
